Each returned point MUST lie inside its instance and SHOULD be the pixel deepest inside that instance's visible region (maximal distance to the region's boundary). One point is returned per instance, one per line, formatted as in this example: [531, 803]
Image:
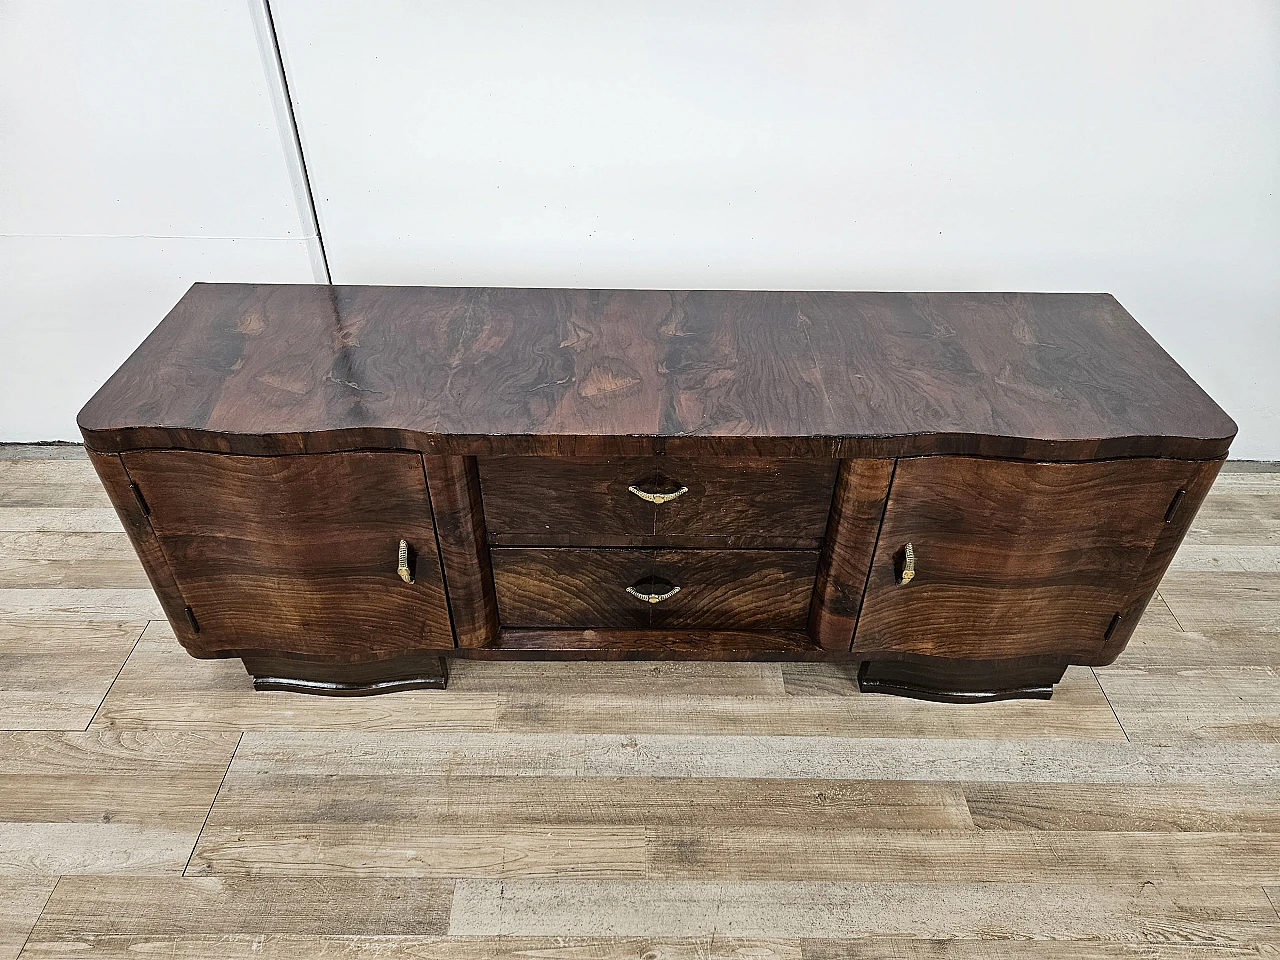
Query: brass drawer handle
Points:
[403, 568]
[656, 497]
[908, 566]
[650, 590]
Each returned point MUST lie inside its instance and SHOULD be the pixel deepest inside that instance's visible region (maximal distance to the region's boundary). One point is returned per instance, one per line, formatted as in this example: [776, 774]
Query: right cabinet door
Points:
[1013, 558]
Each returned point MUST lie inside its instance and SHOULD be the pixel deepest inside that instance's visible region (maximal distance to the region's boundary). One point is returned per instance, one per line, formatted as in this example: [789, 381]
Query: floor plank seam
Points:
[123, 663]
[195, 844]
[1170, 609]
[1098, 680]
[45, 906]
[366, 788]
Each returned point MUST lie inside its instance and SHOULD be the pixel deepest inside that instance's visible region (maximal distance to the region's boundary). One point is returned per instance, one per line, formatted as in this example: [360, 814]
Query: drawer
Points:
[717, 589]
[544, 500]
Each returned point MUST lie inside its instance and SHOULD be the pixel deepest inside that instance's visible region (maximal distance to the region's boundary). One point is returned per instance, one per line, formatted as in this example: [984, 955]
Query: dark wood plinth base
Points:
[963, 681]
[425, 672]
[923, 678]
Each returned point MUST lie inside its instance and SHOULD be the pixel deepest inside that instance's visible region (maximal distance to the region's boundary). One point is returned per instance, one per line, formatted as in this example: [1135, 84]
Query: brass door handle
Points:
[649, 590]
[403, 563]
[908, 572]
[654, 496]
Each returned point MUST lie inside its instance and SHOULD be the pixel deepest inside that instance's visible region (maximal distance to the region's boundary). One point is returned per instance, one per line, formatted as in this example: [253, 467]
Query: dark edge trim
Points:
[119, 439]
[329, 689]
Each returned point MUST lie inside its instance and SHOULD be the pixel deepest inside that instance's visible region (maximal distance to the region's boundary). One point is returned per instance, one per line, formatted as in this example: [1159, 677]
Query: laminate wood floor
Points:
[153, 805]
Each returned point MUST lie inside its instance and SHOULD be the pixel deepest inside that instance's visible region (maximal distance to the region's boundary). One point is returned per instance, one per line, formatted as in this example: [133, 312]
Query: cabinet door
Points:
[1013, 558]
[298, 555]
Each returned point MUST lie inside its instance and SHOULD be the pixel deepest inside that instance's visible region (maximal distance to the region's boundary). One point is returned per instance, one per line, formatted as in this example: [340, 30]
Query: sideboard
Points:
[958, 494]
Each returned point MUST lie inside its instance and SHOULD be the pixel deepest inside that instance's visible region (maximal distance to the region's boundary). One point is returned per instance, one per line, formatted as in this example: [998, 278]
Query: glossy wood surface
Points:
[260, 369]
[684, 644]
[1177, 521]
[1029, 445]
[1013, 559]
[460, 531]
[297, 555]
[153, 805]
[856, 511]
[133, 515]
[417, 671]
[729, 589]
[570, 499]
[947, 680]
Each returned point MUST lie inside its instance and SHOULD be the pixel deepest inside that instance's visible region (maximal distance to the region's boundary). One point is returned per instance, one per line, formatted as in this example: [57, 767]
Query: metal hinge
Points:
[1173, 506]
[191, 619]
[1111, 627]
[142, 502]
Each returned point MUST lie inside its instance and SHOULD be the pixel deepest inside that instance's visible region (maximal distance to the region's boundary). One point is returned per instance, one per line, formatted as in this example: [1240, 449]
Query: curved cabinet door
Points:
[297, 555]
[1014, 559]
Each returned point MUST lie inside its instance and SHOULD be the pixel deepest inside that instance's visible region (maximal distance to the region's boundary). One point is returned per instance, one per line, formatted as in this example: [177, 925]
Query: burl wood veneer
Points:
[345, 486]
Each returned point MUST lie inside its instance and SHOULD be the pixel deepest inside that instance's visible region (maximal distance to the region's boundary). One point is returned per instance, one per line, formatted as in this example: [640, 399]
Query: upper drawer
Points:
[543, 500]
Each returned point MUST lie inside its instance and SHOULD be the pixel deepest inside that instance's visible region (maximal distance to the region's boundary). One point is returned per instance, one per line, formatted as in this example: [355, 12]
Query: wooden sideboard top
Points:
[259, 368]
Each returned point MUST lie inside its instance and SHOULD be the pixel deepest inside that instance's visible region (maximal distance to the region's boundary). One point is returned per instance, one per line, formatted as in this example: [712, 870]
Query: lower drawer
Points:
[706, 589]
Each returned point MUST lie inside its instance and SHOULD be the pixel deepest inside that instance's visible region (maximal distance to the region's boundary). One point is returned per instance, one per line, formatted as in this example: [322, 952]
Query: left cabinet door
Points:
[298, 555]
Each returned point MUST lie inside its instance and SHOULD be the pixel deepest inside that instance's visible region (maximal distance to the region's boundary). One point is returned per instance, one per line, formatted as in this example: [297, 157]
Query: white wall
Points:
[1121, 146]
[139, 152]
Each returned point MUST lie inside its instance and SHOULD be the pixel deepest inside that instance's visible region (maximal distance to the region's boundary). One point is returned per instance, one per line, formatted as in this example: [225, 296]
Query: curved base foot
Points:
[348, 679]
[962, 681]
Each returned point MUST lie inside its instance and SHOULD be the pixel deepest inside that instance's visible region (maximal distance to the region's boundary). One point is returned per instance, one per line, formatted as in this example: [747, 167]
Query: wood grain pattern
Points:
[1014, 559]
[1086, 716]
[59, 519]
[1245, 602]
[56, 670]
[929, 916]
[1103, 808]
[987, 758]
[85, 495]
[572, 497]
[719, 589]
[21, 900]
[163, 689]
[101, 802]
[1195, 488]
[266, 803]
[857, 508]
[85, 910]
[743, 776]
[262, 369]
[297, 555]
[629, 677]
[245, 946]
[979, 856]
[120, 573]
[115, 478]
[379, 850]
[645, 644]
[1215, 703]
[460, 522]
[537, 414]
